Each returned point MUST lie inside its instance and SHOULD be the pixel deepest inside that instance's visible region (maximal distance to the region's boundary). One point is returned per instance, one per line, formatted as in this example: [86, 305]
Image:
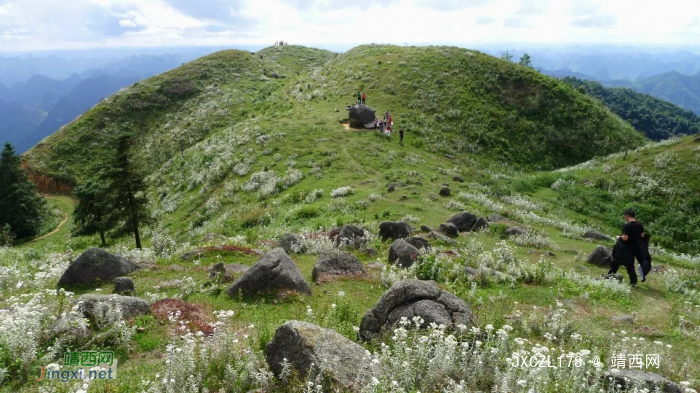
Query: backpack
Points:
[621, 254]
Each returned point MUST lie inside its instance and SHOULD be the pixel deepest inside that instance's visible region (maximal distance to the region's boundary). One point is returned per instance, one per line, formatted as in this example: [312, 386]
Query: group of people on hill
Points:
[385, 124]
[280, 43]
[632, 244]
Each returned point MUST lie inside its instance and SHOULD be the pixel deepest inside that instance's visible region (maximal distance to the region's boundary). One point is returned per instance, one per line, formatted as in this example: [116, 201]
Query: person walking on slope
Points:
[401, 135]
[628, 247]
[364, 99]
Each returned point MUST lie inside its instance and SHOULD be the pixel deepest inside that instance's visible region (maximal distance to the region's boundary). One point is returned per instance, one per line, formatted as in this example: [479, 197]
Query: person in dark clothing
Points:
[364, 99]
[632, 233]
[401, 135]
[359, 98]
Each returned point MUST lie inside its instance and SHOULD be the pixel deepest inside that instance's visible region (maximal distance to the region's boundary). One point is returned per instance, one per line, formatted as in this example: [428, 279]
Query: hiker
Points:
[364, 99]
[401, 135]
[390, 121]
[386, 115]
[359, 98]
[628, 247]
[381, 127]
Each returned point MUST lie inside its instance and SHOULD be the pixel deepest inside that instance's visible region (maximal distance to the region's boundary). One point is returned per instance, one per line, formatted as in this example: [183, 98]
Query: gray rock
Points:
[391, 188]
[639, 379]
[418, 242]
[169, 284]
[596, 235]
[337, 264]
[352, 236]
[96, 306]
[411, 298]
[226, 272]
[402, 253]
[290, 243]
[480, 224]
[601, 256]
[464, 221]
[426, 228]
[515, 231]
[361, 115]
[496, 218]
[390, 230]
[307, 347]
[471, 271]
[95, 266]
[445, 191]
[442, 238]
[458, 179]
[274, 272]
[369, 251]
[191, 255]
[448, 229]
[124, 286]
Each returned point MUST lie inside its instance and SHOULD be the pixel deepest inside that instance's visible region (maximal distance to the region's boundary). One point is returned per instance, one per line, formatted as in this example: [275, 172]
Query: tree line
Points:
[113, 201]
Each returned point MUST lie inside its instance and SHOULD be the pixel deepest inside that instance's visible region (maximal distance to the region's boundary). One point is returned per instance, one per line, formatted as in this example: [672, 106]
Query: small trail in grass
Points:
[58, 228]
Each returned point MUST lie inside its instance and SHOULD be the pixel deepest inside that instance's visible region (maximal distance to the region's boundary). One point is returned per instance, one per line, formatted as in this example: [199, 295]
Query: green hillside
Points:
[239, 149]
[656, 118]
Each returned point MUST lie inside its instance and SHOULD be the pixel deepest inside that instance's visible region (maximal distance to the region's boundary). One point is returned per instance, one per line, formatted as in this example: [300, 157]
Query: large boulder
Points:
[630, 379]
[96, 306]
[361, 115]
[445, 191]
[336, 264]
[601, 256]
[596, 235]
[480, 224]
[352, 236]
[403, 254]
[415, 298]
[448, 229]
[274, 272]
[290, 243]
[390, 230]
[307, 347]
[418, 242]
[464, 221]
[95, 266]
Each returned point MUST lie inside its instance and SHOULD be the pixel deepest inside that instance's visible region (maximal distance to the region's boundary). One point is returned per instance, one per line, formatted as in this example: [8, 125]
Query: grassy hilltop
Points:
[240, 148]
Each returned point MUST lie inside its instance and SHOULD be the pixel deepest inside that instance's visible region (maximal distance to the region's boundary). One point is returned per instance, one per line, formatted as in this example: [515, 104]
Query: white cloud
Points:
[42, 24]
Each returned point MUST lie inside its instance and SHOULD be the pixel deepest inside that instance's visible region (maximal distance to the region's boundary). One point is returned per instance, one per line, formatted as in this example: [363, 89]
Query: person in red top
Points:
[391, 121]
[364, 98]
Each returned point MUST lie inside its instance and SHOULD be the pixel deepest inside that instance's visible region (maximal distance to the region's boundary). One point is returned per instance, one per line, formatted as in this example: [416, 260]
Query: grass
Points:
[462, 123]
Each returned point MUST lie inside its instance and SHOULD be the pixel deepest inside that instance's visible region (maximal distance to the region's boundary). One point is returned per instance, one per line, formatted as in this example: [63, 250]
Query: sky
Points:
[34, 25]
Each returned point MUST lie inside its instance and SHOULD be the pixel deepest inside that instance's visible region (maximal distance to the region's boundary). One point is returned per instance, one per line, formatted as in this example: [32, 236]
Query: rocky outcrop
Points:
[124, 286]
[93, 267]
[361, 115]
[403, 254]
[274, 272]
[631, 379]
[601, 256]
[464, 221]
[390, 230]
[337, 264]
[310, 348]
[96, 306]
[592, 234]
[290, 243]
[418, 242]
[351, 236]
[415, 298]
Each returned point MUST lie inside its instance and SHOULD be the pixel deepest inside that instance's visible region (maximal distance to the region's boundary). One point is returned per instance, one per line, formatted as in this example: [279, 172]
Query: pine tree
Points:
[89, 215]
[125, 200]
[21, 206]
[526, 61]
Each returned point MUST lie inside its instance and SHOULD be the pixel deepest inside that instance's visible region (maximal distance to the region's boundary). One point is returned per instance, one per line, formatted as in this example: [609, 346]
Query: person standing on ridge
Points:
[632, 233]
[364, 99]
[359, 98]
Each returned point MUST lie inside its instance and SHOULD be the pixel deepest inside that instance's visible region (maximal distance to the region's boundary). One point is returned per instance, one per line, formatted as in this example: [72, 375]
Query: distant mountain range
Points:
[33, 110]
[674, 87]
